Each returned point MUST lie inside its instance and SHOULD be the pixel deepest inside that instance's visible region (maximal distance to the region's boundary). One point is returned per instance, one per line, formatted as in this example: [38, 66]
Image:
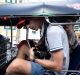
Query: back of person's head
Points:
[23, 42]
[63, 19]
[67, 19]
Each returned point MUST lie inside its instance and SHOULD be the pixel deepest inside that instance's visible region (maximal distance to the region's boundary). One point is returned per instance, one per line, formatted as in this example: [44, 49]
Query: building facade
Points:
[2, 1]
[11, 1]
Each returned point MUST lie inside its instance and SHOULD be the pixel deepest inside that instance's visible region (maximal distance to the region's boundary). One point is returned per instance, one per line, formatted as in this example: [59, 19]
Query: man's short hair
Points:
[63, 19]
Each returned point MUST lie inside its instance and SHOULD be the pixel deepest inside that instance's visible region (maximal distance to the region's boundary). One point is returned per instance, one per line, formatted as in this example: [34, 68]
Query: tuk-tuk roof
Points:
[41, 8]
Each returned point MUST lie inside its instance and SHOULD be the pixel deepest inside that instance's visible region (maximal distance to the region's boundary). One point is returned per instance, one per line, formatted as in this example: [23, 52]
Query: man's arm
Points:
[55, 63]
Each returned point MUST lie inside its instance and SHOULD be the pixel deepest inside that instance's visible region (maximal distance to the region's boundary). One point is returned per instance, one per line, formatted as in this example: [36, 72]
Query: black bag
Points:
[41, 49]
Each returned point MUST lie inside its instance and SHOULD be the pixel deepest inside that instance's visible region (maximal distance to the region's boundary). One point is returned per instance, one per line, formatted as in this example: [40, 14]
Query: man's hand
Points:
[31, 54]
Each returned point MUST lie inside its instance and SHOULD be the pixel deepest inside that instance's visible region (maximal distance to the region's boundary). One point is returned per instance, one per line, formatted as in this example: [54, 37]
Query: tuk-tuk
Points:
[12, 14]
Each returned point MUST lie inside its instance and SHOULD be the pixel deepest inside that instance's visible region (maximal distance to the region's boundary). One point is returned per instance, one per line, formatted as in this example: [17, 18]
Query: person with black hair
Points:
[23, 49]
[73, 45]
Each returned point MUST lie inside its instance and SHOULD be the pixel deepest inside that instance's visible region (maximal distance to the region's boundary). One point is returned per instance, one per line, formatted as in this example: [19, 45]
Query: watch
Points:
[33, 60]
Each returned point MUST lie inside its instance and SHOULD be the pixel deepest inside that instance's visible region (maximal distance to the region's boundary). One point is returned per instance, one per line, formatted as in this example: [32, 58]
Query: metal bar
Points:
[73, 23]
[2, 63]
[3, 59]
[56, 15]
[55, 23]
[71, 71]
[2, 54]
[47, 16]
[74, 73]
[11, 33]
[78, 73]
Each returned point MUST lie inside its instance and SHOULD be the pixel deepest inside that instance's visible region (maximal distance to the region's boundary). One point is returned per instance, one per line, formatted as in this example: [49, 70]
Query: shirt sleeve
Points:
[54, 39]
